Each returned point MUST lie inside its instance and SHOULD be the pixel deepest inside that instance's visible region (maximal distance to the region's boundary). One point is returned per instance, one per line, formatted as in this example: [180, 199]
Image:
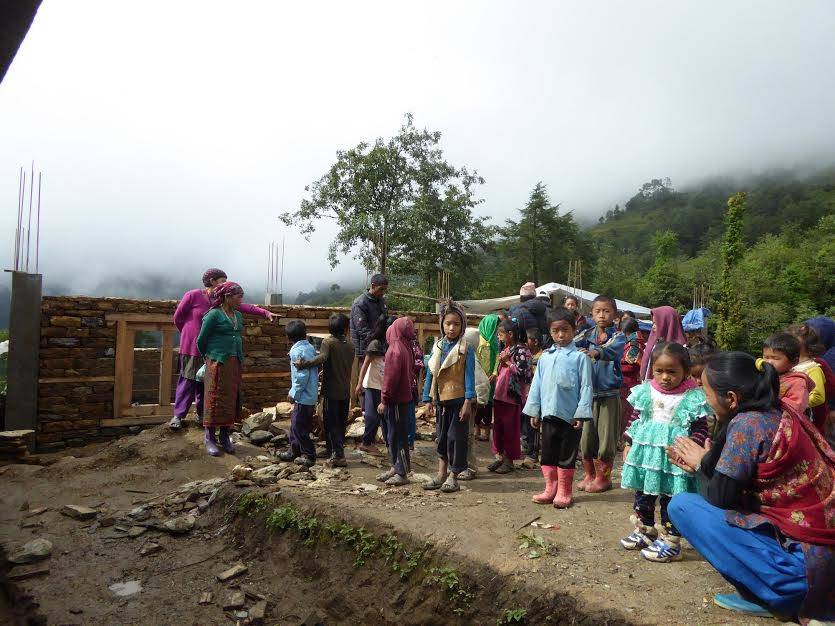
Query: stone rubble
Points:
[32, 551]
[78, 512]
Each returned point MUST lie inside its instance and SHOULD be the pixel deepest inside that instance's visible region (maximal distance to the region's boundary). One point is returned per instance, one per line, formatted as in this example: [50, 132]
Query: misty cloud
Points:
[165, 152]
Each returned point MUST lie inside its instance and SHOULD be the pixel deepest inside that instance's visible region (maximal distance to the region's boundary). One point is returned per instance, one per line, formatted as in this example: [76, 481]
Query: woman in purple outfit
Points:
[188, 318]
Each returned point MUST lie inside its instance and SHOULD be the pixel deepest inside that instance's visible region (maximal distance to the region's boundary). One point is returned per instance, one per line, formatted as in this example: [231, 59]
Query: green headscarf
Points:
[488, 328]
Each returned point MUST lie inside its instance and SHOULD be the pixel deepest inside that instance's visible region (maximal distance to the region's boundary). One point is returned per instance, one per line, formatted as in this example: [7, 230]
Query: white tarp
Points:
[492, 305]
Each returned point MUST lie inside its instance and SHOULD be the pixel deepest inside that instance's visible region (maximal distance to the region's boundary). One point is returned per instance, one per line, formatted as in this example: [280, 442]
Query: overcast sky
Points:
[171, 134]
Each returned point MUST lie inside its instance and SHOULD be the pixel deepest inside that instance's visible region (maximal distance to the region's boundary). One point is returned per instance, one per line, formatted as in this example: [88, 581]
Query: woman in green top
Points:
[220, 345]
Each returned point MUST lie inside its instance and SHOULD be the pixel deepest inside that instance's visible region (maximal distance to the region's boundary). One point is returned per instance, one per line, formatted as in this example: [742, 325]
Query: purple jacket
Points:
[188, 318]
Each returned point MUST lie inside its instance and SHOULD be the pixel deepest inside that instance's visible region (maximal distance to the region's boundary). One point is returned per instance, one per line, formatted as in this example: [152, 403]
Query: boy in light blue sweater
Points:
[560, 399]
[304, 391]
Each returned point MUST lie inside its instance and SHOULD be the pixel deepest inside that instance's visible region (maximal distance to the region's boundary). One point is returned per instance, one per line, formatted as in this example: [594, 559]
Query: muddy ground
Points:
[581, 575]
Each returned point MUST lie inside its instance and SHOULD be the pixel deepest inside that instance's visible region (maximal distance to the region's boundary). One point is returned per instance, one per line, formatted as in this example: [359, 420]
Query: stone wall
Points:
[78, 363]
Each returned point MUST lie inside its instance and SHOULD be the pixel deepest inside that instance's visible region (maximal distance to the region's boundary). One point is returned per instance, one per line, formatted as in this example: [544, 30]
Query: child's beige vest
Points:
[448, 377]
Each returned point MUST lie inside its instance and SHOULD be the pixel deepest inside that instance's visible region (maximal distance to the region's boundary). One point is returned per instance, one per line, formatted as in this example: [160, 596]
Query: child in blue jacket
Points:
[603, 344]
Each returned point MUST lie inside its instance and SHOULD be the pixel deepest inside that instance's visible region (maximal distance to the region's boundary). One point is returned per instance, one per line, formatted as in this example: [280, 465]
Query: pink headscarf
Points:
[666, 326]
[528, 289]
[221, 291]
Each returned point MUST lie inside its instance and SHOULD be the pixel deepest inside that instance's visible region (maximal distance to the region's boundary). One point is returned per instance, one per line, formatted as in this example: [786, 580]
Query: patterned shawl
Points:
[795, 486]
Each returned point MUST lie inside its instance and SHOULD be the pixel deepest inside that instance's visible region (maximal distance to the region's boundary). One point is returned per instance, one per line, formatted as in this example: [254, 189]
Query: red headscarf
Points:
[666, 326]
[221, 291]
[399, 373]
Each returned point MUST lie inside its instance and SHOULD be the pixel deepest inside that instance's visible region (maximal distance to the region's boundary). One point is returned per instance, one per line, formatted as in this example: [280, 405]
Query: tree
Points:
[373, 192]
[444, 235]
[730, 328]
[539, 246]
[662, 283]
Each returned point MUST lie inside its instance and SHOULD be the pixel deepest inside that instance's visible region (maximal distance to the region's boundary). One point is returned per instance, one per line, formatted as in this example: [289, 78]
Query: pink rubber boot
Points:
[588, 469]
[602, 481]
[550, 474]
[565, 484]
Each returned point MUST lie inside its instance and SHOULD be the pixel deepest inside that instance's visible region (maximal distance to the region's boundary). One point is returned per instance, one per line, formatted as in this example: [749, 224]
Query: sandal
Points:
[504, 467]
[434, 483]
[467, 474]
[386, 475]
[398, 480]
[494, 465]
[450, 484]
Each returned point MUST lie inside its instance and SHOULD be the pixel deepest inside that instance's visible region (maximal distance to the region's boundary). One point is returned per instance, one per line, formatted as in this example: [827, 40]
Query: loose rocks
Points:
[78, 512]
[32, 551]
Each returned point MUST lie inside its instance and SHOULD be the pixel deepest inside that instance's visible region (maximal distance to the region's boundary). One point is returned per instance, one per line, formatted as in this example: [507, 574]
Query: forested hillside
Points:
[663, 243]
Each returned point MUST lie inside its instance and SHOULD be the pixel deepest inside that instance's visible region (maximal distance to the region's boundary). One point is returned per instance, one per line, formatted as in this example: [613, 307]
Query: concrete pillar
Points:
[24, 346]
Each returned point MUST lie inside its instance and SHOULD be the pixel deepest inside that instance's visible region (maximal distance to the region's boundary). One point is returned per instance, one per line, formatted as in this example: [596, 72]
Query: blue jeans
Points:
[753, 560]
[373, 420]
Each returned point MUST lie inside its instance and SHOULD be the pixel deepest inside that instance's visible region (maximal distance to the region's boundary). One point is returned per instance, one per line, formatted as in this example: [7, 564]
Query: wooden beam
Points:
[147, 410]
[166, 358]
[77, 379]
[135, 421]
[153, 318]
[153, 326]
[123, 387]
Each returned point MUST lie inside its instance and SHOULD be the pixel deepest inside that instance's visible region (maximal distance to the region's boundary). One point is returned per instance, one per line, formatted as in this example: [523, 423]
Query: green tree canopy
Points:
[541, 243]
[383, 195]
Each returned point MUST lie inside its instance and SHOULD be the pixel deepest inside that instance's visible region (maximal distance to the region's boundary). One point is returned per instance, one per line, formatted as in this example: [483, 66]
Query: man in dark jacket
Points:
[531, 312]
[365, 311]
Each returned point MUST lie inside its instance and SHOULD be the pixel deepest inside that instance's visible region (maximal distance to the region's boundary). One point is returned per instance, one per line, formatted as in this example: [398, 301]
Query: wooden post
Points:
[166, 356]
[123, 385]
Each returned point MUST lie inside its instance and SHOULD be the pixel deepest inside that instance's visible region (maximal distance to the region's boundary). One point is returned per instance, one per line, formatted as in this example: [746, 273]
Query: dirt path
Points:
[477, 530]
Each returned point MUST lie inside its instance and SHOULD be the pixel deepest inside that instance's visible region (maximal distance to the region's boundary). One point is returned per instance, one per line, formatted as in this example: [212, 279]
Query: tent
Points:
[493, 305]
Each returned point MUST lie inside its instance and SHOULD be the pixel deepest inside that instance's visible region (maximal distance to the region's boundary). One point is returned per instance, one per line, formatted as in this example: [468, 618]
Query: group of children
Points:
[587, 393]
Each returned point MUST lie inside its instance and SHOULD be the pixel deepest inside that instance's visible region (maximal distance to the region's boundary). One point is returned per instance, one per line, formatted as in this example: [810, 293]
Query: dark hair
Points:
[628, 314]
[561, 314]
[809, 337]
[512, 325]
[675, 350]
[526, 298]
[630, 326]
[609, 299]
[381, 326]
[571, 297]
[535, 337]
[786, 343]
[296, 331]
[737, 372]
[338, 324]
[379, 279]
[701, 353]
[213, 273]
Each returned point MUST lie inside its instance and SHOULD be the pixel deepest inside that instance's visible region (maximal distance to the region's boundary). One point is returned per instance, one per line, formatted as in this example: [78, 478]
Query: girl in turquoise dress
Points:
[668, 406]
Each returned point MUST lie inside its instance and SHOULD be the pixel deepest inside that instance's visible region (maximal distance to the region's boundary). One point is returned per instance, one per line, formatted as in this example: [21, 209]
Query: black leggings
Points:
[560, 441]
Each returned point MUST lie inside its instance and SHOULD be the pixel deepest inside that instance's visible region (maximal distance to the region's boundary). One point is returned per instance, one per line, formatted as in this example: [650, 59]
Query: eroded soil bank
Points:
[327, 547]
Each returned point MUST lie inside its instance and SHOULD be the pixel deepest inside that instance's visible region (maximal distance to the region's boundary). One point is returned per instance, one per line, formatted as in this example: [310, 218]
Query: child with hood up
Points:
[450, 385]
[397, 398]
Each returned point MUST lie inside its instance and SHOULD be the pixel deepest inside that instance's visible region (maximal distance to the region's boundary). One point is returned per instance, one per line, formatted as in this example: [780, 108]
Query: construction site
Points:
[143, 527]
